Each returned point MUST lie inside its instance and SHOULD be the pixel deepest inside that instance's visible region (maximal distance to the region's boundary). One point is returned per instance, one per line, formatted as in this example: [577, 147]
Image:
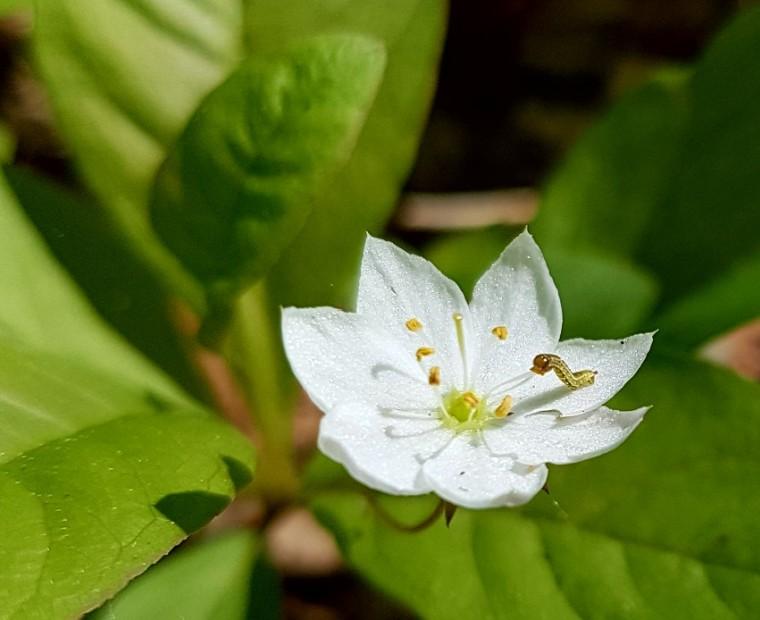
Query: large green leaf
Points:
[105, 462]
[42, 307]
[123, 83]
[125, 293]
[125, 80]
[239, 184]
[664, 526]
[715, 308]
[361, 196]
[603, 194]
[668, 177]
[103, 477]
[208, 581]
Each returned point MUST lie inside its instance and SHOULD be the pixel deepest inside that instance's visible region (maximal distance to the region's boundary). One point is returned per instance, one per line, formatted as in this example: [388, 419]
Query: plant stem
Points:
[254, 351]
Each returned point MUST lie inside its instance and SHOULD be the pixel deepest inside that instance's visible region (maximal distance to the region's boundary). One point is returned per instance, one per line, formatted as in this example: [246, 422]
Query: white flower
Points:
[423, 392]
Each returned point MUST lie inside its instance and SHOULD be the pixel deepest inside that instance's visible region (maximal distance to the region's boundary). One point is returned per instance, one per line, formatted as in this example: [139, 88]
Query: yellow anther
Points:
[413, 325]
[424, 352]
[434, 376]
[500, 331]
[470, 399]
[504, 408]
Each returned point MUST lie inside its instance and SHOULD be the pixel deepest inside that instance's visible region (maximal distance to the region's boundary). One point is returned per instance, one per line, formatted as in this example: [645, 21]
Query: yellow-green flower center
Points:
[464, 411]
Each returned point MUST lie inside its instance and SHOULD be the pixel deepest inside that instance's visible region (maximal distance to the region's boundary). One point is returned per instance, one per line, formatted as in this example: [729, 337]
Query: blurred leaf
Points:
[363, 194]
[119, 287]
[123, 83]
[41, 306]
[715, 195]
[207, 581]
[606, 190]
[12, 6]
[104, 477]
[238, 186]
[602, 297]
[664, 526]
[715, 308]
[669, 176]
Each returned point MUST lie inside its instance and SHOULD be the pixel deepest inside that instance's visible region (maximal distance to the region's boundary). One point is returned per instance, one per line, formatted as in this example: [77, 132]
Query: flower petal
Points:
[467, 474]
[518, 293]
[615, 361]
[338, 356]
[550, 438]
[396, 286]
[381, 451]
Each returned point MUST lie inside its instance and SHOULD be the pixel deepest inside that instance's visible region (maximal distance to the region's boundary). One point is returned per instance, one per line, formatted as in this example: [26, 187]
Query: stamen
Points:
[424, 352]
[434, 376]
[413, 325]
[458, 322]
[470, 399]
[505, 408]
[500, 331]
[545, 362]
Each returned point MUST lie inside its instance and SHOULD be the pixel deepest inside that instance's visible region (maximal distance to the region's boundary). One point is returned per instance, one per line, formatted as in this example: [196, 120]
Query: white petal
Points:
[467, 474]
[615, 361]
[338, 356]
[396, 286]
[379, 450]
[549, 438]
[518, 293]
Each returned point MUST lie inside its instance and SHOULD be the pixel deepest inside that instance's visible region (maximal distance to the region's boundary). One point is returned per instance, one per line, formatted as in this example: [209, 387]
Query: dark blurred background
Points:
[557, 64]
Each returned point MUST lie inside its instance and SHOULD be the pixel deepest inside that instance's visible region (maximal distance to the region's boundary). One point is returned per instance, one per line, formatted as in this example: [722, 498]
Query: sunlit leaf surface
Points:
[240, 182]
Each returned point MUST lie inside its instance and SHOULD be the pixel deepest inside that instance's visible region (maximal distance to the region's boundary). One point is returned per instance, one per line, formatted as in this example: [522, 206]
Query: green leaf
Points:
[362, 195]
[104, 477]
[714, 196]
[715, 308]
[122, 291]
[121, 100]
[206, 581]
[670, 171]
[238, 186]
[664, 526]
[41, 306]
[602, 296]
[603, 195]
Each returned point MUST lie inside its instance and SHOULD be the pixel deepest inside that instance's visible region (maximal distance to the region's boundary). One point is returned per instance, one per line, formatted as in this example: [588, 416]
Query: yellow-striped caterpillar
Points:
[545, 362]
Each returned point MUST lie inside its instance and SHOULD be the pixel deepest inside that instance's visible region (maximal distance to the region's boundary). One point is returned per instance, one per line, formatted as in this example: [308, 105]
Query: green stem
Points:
[255, 352]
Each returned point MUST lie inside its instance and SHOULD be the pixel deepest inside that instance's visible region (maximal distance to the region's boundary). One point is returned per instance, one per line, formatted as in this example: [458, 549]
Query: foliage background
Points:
[153, 186]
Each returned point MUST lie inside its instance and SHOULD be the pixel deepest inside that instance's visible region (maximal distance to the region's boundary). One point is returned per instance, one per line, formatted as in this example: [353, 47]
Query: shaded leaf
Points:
[123, 83]
[669, 176]
[122, 290]
[41, 306]
[238, 185]
[362, 195]
[714, 308]
[206, 581]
